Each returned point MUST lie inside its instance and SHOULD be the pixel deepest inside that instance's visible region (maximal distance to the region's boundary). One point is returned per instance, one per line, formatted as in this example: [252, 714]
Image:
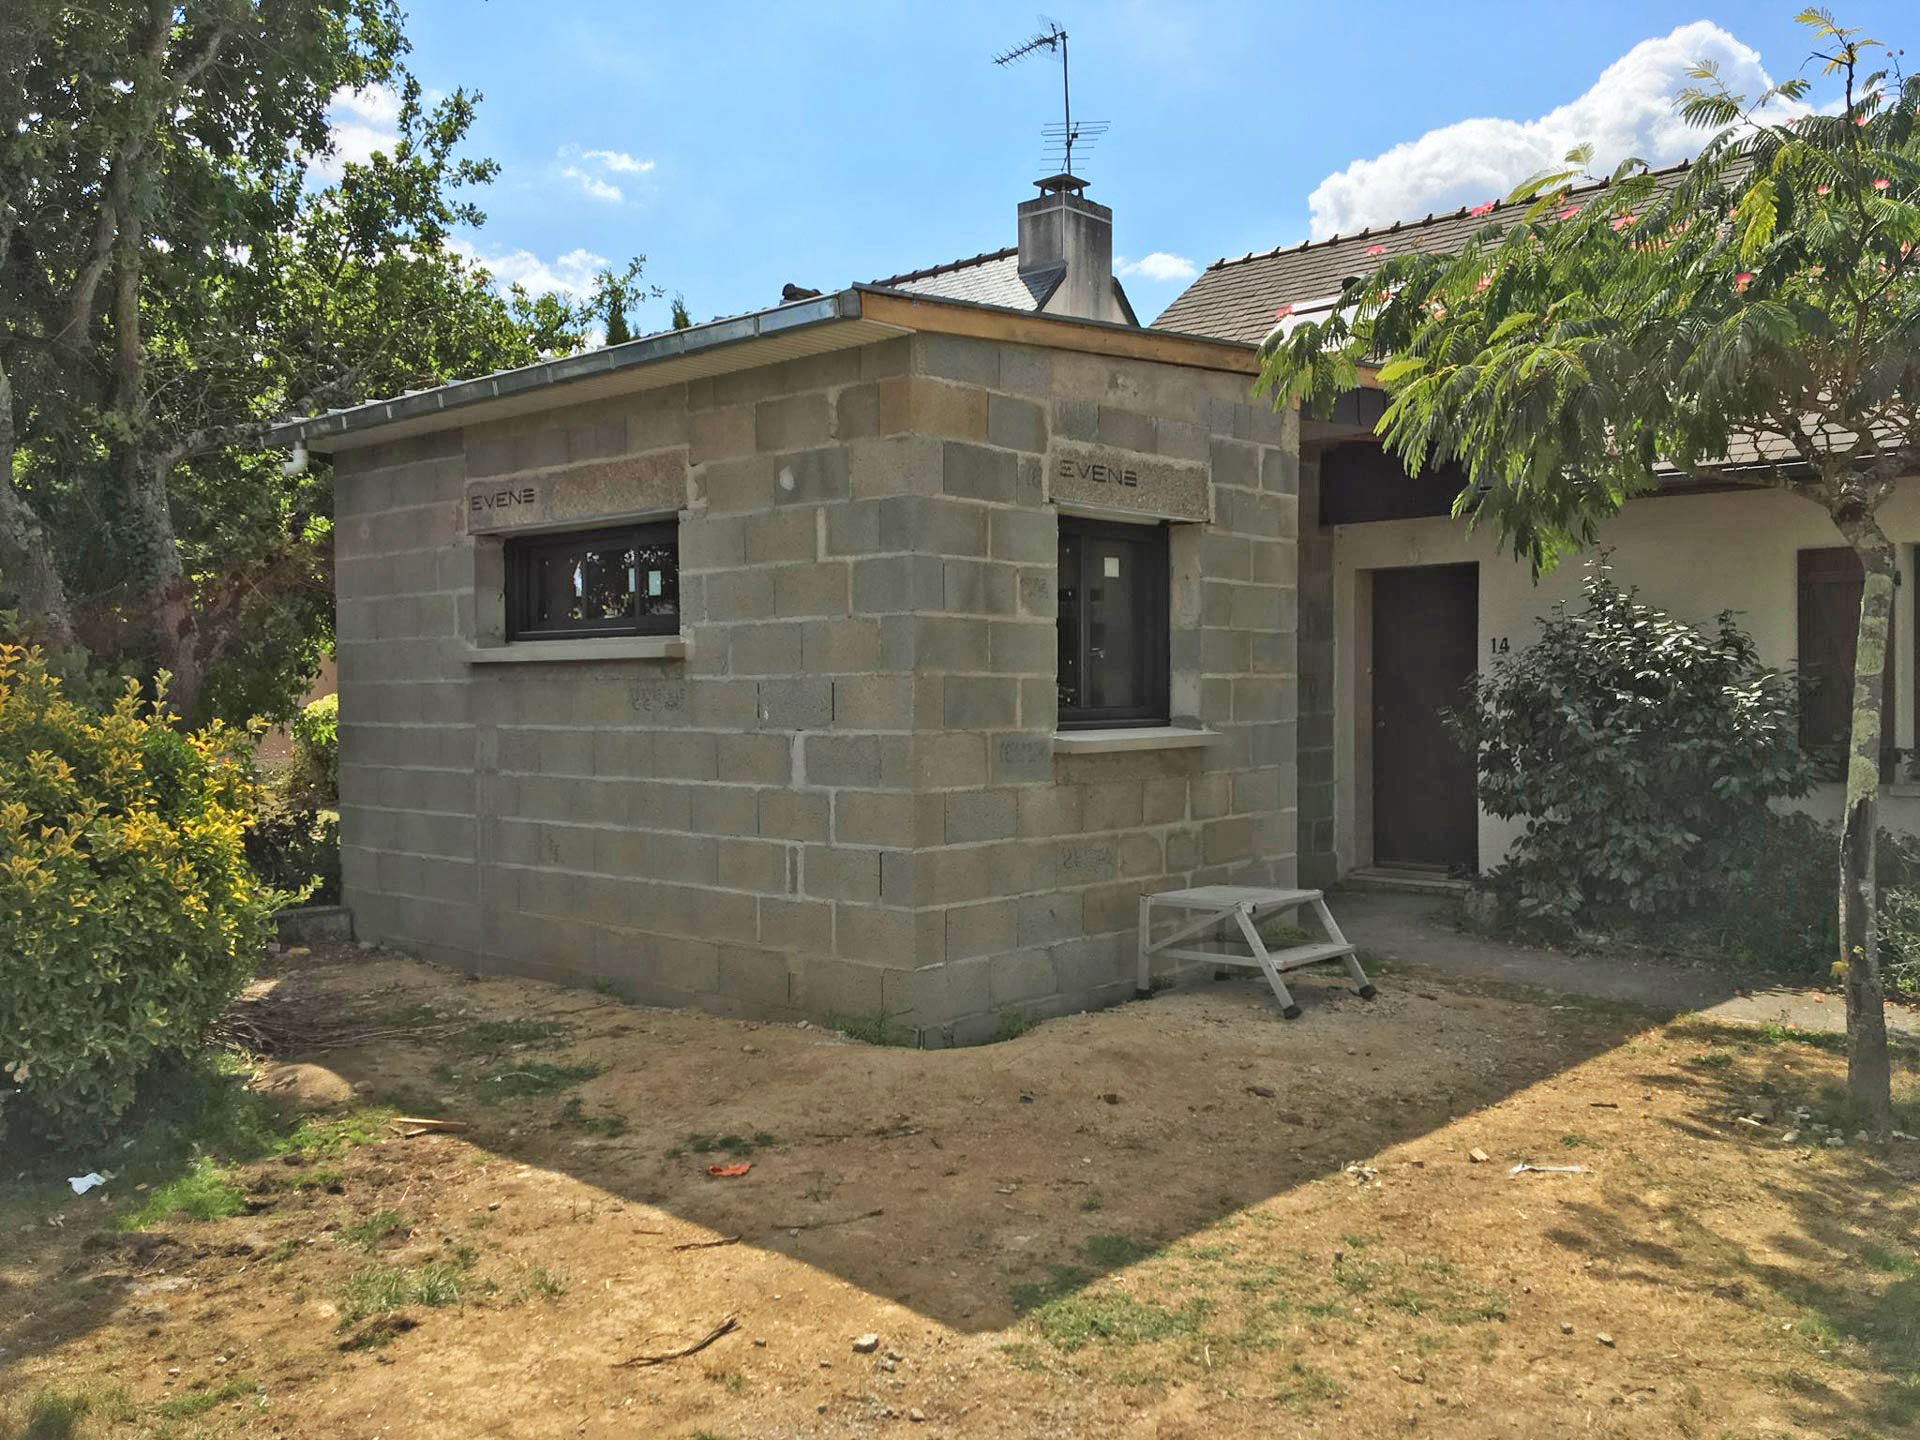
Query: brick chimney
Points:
[1063, 231]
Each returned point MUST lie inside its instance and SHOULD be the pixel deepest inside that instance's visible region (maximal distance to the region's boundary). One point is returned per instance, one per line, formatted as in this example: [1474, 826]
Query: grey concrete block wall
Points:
[845, 798]
[1318, 866]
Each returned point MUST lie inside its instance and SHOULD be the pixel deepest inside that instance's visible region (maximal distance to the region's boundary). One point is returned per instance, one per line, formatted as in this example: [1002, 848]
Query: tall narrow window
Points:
[1113, 623]
[594, 583]
[1829, 623]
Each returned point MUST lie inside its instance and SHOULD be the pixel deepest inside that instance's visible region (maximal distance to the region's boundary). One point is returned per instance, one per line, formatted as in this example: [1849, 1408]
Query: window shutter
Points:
[1830, 585]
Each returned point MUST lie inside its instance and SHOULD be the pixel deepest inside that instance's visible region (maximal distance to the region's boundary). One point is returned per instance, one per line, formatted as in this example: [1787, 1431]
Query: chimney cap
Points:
[1061, 183]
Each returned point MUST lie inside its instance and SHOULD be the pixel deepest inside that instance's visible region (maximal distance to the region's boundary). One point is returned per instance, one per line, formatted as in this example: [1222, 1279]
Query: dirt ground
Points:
[1184, 1217]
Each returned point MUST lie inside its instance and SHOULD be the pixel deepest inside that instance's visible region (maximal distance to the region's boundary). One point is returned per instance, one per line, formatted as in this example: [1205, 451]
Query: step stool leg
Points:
[1145, 986]
[1359, 977]
[1288, 1009]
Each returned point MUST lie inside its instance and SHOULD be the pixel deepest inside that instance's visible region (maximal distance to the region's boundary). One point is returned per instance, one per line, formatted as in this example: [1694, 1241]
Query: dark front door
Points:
[1425, 646]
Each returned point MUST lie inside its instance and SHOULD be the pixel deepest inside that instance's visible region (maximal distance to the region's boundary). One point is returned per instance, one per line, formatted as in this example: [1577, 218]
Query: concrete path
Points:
[1416, 929]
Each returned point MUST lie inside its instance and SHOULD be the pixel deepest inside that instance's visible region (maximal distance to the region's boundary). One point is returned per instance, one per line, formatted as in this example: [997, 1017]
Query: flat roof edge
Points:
[547, 374]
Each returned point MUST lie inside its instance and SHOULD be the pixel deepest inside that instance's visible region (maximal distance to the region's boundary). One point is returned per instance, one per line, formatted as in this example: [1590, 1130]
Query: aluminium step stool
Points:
[1244, 906]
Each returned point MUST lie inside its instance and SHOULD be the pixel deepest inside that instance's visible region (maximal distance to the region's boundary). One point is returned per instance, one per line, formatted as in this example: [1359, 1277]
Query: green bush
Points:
[1642, 753]
[316, 751]
[129, 917]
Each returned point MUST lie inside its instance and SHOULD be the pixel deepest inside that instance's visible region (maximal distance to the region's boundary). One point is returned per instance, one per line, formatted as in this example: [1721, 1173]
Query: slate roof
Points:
[993, 278]
[1236, 299]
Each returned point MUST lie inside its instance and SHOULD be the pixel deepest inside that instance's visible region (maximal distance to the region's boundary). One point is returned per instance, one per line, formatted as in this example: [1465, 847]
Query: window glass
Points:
[603, 582]
[1113, 623]
[1831, 581]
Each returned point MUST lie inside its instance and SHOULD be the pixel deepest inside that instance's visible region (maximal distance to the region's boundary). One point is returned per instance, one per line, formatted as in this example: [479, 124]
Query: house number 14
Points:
[1498, 645]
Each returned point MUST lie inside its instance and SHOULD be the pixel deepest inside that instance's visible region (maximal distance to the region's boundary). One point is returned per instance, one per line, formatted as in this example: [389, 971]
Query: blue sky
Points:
[743, 146]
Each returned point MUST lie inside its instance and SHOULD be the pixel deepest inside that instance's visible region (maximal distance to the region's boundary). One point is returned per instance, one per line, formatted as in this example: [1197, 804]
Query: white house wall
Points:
[1693, 555]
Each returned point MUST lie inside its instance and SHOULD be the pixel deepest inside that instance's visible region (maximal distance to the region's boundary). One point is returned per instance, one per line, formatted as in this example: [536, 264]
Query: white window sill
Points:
[1140, 737]
[616, 647]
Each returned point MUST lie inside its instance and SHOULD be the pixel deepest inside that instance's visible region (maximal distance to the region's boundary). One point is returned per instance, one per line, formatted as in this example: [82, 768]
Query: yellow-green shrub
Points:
[129, 917]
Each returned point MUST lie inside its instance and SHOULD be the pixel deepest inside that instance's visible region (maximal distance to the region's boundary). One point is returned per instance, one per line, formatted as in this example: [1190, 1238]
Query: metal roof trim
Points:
[547, 374]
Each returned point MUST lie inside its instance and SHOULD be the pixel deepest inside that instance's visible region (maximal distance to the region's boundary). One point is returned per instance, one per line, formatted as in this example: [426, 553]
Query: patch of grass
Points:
[1108, 1317]
[876, 1028]
[1889, 1262]
[737, 1146]
[1572, 1140]
[1014, 1022]
[55, 1414]
[1303, 1386]
[205, 1192]
[529, 1081]
[1091, 1202]
[323, 1178]
[1023, 1356]
[375, 1228]
[1110, 1252]
[539, 1282]
[198, 1402]
[488, 1037]
[608, 1124]
[383, 1289]
[1062, 1280]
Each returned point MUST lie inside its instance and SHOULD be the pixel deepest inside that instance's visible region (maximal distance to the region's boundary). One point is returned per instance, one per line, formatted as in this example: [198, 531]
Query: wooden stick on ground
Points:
[712, 1335]
[707, 1244]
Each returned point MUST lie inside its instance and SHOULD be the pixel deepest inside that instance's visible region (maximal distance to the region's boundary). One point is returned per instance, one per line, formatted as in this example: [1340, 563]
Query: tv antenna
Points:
[1060, 138]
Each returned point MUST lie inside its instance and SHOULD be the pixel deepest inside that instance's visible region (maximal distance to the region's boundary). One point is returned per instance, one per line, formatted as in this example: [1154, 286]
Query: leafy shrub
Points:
[295, 846]
[129, 917]
[316, 752]
[1642, 753]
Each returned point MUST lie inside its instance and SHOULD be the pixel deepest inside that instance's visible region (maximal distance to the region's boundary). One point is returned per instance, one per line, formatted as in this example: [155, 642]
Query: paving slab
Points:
[1419, 930]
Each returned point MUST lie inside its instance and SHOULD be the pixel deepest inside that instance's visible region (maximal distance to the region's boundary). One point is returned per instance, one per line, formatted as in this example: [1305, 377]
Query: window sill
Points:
[1140, 737]
[616, 647]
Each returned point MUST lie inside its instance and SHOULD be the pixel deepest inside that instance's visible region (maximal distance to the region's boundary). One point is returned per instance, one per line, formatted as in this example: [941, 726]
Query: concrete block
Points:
[985, 929]
[1112, 807]
[984, 703]
[765, 649]
[950, 643]
[954, 357]
[1023, 647]
[1084, 861]
[720, 434]
[1125, 430]
[830, 647]
[1163, 801]
[947, 760]
[755, 759]
[833, 760]
[894, 466]
[812, 477]
[1021, 759]
[819, 589]
[792, 422]
[1025, 537]
[979, 587]
[1016, 424]
[829, 872]
[684, 755]
[1020, 976]
[873, 702]
[759, 865]
[781, 537]
[1141, 855]
[875, 817]
[930, 525]
[743, 594]
[796, 925]
[1076, 419]
[757, 977]
[953, 876]
[1043, 919]
[980, 815]
[869, 932]
[794, 815]
[977, 473]
[1050, 810]
[893, 584]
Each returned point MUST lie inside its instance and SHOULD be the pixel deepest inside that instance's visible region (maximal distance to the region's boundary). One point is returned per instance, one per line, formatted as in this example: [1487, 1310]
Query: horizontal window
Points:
[1113, 624]
[623, 581]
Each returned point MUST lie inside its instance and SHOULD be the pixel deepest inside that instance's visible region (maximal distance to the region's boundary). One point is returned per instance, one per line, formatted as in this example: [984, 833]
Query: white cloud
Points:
[362, 121]
[618, 161]
[1627, 112]
[570, 274]
[1159, 266]
[594, 187]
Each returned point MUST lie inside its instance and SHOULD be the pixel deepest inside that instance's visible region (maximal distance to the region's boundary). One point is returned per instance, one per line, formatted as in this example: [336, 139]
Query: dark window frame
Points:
[1153, 621]
[1826, 680]
[522, 592]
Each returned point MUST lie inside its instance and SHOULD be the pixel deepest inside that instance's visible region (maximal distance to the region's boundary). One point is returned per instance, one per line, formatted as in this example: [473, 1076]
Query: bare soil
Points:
[1184, 1217]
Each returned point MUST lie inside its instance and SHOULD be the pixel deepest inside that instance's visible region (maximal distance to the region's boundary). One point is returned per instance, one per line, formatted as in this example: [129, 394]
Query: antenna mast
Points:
[1066, 134]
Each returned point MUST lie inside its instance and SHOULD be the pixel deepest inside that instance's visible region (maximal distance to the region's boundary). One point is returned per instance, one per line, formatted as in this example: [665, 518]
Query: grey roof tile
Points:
[1236, 299]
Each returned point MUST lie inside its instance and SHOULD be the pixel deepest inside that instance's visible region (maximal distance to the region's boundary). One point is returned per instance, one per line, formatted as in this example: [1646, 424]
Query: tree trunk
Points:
[27, 565]
[163, 598]
[1869, 1073]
